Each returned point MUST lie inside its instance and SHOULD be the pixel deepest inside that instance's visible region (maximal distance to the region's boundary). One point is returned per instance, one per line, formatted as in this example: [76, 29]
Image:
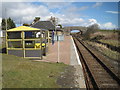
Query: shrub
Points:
[98, 37]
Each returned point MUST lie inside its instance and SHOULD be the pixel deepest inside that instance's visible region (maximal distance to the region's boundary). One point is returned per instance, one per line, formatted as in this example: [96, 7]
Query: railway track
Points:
[97, 74]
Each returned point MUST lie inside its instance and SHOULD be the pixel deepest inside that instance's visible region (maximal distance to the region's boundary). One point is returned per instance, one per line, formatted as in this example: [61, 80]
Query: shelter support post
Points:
[6, 43]
[48, 36]
[41, 44]
[45, 42]
[23, 42]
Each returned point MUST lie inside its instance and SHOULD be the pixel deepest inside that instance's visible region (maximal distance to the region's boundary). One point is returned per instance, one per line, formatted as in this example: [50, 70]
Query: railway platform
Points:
[66, 52]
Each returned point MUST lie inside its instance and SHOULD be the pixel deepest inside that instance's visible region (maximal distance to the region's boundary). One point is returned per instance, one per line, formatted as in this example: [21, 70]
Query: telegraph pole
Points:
[6, 18]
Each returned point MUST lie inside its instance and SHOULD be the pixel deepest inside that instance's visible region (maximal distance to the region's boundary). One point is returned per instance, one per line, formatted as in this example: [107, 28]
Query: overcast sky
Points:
[68, 13]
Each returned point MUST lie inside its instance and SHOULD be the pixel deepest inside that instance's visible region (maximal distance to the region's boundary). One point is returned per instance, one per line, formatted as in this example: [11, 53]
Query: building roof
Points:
[23, 28]
[44, 25]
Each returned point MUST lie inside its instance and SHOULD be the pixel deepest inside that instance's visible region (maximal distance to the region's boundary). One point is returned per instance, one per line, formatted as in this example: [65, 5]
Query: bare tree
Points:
[36, 19]
[91, 29]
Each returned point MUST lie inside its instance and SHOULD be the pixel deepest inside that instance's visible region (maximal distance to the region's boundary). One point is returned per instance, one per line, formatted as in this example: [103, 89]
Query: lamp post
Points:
[54, 23]
[56, 20]
[58, 43]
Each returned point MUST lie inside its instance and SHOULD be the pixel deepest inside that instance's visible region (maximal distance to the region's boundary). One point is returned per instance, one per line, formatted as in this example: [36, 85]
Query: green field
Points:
[103, 30]
[24, 73]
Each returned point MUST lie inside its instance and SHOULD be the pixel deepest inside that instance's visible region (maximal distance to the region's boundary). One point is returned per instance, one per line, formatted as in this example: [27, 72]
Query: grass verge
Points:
[111, 42]
[103, 49]
[23, 73]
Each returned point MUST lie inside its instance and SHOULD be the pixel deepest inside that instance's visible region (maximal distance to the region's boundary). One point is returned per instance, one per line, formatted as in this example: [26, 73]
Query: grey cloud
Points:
[24, 12]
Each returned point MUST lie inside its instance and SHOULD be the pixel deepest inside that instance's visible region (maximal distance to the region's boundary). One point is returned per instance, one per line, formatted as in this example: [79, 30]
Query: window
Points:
[14, 35]
[14, 44]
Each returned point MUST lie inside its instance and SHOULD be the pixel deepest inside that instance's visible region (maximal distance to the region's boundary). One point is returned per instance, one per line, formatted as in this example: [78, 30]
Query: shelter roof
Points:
[23, 28]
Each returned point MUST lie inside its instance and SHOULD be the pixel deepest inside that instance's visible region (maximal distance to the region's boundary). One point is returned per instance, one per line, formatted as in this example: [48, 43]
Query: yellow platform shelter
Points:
[27, 42]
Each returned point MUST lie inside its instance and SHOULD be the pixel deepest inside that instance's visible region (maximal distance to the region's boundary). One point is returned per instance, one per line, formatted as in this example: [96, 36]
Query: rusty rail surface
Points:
[98, 74]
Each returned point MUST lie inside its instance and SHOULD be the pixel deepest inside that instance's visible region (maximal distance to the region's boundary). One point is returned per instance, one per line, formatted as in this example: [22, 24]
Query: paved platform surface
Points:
[64, 51]
[67, 55]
